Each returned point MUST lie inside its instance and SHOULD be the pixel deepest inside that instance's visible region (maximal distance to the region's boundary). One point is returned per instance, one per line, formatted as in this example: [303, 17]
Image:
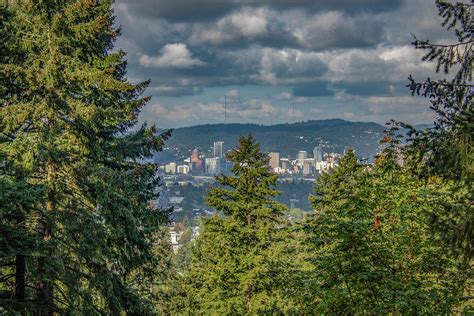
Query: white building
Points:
[183, 169]
[174, 238]
[278, 170]
[213, 165]
[274, 160]
[171, 168]
[219, 149]
[302, 155]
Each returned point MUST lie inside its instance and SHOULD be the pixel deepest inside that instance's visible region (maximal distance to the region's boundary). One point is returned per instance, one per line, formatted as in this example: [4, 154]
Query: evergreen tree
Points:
[241, 262]
[447, 149]
[374, 252]
[66, 112]
[17, 196]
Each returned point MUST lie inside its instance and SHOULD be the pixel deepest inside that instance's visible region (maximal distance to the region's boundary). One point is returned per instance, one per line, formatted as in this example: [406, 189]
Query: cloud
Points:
[336, 29]
[187, 10]
[301, 100]
[348, 115]
[312, 89]
[233, 94]
[172, 55]
[245, 27]
[285, 66]
[336, 54]
[174, 91]
[285, 96]
[244, 24]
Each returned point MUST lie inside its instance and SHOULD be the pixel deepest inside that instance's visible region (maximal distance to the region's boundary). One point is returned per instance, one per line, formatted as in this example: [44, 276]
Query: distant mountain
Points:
[333, 135]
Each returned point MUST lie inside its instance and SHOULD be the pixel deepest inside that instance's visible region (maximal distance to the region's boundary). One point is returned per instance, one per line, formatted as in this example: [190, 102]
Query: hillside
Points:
[333, 135]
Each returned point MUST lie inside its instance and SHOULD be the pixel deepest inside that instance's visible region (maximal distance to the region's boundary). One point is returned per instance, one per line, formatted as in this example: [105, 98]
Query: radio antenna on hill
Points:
[225, 108]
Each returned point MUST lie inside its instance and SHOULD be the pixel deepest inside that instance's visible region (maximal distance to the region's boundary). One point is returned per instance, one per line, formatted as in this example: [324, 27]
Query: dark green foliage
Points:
[242, 261]
[66, 109]
[446, 150]
[375, 249]
[374, 252]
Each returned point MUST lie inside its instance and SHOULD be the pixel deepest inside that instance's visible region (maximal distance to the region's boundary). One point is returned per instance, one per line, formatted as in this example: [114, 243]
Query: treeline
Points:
[287, 139]
[78, 234]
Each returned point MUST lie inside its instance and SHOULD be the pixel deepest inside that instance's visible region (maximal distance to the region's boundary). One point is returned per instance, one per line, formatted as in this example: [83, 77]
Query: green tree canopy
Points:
[447, 149]
[241, 262]
[374, 252]
[66, 112]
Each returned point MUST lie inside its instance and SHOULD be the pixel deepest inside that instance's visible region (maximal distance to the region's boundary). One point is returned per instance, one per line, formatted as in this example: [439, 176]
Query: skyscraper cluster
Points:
[303, 165]
[198, 164]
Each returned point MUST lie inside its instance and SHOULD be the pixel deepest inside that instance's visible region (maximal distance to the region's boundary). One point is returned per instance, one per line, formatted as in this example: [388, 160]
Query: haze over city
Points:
[331, 59]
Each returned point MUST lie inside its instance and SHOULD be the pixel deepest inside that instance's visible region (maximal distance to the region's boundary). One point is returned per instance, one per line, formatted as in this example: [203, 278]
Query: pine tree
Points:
[66, 112]
[373, 250]
[17, 238]
[241, 262]
[447, 149]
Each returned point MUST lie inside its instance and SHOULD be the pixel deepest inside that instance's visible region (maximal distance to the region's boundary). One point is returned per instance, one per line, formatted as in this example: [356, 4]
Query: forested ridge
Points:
[80, 232]
[334, 135]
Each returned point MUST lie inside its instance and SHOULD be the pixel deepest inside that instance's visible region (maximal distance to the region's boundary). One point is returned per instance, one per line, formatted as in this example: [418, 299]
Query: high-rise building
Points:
[285, 164]
[318, 154]
[308, 166]
[274, 160]
[213, 165]
[219, 149]
[302, 155]
[196, 163]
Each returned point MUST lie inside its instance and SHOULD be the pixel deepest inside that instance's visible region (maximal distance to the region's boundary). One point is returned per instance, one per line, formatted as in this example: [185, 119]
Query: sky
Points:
[346, 59]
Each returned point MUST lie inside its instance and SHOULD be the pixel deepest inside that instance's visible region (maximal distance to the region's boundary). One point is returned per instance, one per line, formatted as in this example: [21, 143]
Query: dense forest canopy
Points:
[81, 231]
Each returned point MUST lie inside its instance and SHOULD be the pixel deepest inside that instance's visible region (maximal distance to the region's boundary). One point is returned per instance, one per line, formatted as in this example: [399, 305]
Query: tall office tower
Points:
[219, 149]
[318, 154]
[308, 166]
[195, 155]
[274, 160]
[302, 155]
[213, 166]
[196, 163]
[285, 164]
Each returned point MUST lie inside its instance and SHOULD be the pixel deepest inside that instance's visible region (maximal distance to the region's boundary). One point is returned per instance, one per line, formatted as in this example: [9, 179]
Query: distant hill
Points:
[333, 135]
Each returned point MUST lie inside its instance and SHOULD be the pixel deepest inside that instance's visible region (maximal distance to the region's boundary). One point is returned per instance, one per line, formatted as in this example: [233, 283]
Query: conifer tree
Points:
[373, 250]
[66, 112]
[241, 262]
[17, 196]
[447, 149]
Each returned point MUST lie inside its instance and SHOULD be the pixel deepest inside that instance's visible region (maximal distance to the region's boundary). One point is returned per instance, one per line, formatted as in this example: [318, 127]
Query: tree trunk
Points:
[20, 271]
[20, 268]
[45, 285]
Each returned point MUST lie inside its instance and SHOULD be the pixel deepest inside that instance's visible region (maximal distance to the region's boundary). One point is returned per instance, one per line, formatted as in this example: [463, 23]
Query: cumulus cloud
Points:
[172, 55]
[289, 66]
[287, 96]
[324, 52]
[246, 23]
[335, 29]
